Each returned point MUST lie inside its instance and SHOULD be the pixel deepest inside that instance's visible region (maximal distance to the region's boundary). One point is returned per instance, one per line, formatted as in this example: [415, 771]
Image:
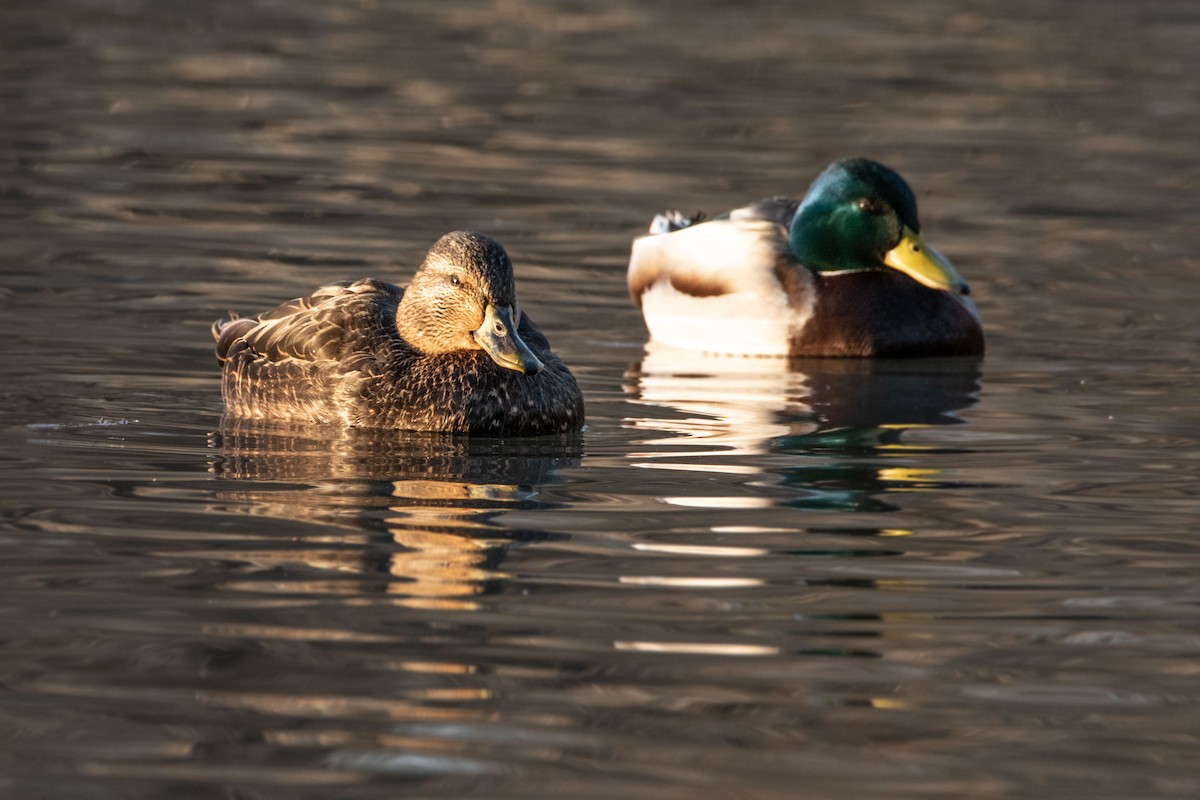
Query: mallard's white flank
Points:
[713, 286]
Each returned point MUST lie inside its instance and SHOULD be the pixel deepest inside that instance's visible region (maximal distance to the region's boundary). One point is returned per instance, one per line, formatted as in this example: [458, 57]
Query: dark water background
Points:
[746, 579]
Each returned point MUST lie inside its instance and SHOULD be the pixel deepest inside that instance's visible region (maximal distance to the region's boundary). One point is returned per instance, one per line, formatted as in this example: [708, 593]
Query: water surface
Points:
[746, 578]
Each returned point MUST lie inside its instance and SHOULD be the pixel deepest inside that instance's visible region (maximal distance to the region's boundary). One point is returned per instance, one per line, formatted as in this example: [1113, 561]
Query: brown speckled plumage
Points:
[364, 354]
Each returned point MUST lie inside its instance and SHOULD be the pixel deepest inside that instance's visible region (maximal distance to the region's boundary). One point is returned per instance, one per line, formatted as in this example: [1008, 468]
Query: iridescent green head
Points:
[860, 215]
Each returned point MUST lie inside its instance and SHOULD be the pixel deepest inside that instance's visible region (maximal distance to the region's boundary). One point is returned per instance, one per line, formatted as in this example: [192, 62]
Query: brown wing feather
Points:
[273, 333]
[335, 356]
[317, 327]
[306, 353]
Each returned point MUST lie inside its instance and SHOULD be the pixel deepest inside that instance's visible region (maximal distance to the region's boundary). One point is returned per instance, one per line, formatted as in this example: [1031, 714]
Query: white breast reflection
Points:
[725, 405]
[806, 421]
[739, 404]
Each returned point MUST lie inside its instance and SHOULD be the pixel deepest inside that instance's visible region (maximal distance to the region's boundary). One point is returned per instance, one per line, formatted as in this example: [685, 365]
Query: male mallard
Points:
[842, 273]
[453, 352]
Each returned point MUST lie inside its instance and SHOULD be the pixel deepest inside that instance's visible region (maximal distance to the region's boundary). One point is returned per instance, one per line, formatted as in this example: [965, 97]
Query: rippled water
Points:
[746, 578]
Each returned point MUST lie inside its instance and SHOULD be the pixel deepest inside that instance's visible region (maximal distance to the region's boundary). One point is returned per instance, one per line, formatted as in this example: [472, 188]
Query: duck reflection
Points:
[831, 429]
[413, 516]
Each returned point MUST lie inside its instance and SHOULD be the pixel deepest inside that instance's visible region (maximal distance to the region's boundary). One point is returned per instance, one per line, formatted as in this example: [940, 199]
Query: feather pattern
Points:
[337, 356]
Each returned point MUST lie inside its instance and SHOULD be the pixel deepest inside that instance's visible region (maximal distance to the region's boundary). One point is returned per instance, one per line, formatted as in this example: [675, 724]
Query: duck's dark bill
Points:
[924, 264]
[498, 338]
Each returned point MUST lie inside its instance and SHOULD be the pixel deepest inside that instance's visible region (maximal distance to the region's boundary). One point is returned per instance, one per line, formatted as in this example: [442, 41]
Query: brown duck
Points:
[452, 352]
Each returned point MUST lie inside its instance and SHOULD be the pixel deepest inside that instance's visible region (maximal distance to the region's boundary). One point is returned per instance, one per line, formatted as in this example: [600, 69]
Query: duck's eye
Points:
[867, 205]
[454, 280]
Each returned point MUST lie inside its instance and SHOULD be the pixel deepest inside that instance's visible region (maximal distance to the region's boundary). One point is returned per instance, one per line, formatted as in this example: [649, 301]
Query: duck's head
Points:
[860, 215]
[463, 298]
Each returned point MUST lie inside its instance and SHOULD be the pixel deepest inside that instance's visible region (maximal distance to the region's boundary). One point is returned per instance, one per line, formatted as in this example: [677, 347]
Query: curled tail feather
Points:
[228, 331]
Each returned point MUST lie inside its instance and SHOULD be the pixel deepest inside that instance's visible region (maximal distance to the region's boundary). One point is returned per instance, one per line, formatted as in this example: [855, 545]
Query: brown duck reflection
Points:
[414, 516]
[832, 428]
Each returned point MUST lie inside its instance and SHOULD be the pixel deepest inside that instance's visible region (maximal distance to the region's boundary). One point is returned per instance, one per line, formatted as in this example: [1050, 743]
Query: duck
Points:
[843, 272]
[453, 353]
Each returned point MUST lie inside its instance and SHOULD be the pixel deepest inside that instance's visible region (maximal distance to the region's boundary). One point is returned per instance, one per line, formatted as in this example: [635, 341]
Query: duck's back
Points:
[722, 285]
[308, 359]
[335, 356]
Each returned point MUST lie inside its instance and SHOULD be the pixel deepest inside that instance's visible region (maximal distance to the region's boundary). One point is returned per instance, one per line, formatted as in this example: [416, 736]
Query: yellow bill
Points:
[924, 264]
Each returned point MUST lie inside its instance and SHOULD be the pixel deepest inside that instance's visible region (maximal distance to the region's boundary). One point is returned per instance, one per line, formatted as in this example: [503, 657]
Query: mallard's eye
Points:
[867, 205]
[454, 280]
